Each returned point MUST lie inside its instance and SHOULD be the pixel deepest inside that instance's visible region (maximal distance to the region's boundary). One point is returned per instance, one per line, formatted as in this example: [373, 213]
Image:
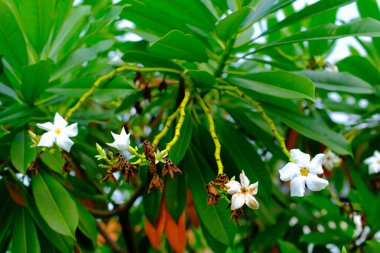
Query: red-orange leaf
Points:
[15, 193]
[176, 232]
[154, 232]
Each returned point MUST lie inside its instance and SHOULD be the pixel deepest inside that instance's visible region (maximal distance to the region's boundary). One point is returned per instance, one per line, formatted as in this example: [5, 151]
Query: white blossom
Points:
[303, 171]
[160, 155]
[121, 141]
[331, 160]
[58, 132]
[242, 192]
[373, 163]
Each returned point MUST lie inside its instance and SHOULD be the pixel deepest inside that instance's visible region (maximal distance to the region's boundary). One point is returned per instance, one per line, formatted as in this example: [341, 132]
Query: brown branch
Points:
[110, 243]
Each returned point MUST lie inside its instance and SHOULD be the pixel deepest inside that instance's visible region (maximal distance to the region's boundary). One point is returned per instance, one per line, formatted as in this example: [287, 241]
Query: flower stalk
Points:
[215, 138]
[169, 121]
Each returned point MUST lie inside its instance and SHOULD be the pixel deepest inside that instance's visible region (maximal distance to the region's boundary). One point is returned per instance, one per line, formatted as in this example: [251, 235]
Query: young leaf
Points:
[55, 204]
[21, 153]
[177, 45]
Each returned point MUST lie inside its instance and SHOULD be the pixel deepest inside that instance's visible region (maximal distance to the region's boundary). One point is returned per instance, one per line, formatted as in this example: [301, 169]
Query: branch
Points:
[111, 243]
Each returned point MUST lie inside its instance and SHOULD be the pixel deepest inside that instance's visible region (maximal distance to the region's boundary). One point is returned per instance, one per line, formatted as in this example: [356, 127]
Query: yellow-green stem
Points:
[109, 76]
[169, 121]
[262, 113]
[335, 197]
[215, 138]
[182, 115]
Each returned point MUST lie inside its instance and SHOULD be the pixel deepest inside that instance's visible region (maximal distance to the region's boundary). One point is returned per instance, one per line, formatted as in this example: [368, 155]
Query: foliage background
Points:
[51, 54]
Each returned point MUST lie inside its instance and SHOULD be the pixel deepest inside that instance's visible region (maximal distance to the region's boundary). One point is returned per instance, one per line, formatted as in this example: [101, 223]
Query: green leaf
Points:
[21, 153]
[175, 195]
[275, 83]
[35, 79]
[216, 217]
[344, 82]
[307, 12]
[230, 25]
[54, 161]
[5, 90]
[87, 223]
[244, 155]
[12, 43]
[149, 59]
[202, 79]
[36, 18]
[179, 150]
[287, 247]
[372, 246]
[55, 204]
[364, 27]
[312, 128]
[360, 67]
[177, 45]
[368, 8]
[25, 237]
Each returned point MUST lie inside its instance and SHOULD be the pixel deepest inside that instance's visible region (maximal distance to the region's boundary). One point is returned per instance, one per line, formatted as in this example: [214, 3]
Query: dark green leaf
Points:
[149, 59]
[287, 247]
[35, 79]
[25, 237]
[276, 83]
[55, 204]
[175, 195]
[177, 45]
[230, 25]
[337, 82]
[21, 152]
[202, 79]
[87, 223]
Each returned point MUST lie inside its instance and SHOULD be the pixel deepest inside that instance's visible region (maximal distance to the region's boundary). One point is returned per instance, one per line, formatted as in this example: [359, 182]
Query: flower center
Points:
[304, 172]
[58, 131]
[243, 190]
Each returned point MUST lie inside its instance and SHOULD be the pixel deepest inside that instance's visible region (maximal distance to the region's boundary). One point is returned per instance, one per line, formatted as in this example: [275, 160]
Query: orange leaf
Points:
[176, 233]
[191, 211]
[15, 193]
[154, 233]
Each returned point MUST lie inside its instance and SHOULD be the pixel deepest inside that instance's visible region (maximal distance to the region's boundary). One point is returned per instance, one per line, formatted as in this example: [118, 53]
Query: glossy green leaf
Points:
[175, 195]
[177, 45]
[230, 25]
[214, 218]
[312, 128]
[54, 161]
[287, 247]
[364, 27]
[265, 7]
[179, 150]
[202, 79]
[360, 67]
[55, 204]
[5, 90]
[25, 237]
[368, 8]
[87, 223]
[244, 155]
[276, 83]
[21, 153]
[12, 43]
[35, 79]
[6, 216]
[307, 12]
[344, 82]
[37, 16]
[149, 59]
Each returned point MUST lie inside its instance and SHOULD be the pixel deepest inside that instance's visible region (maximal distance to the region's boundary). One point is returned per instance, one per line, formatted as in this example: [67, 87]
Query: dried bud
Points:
[147, 93]
[163, 85]
[212, 194]
[170, 168]
[148, 151]
[221, 180]
[129, 171]
[236, 214]
[110, 176]
[67, 166]
[156, 182]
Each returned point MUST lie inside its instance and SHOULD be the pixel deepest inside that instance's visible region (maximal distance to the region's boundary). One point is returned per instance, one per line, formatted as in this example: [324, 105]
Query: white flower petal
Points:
[244, 179]
[64, 142]
[315, 183]
[59, 121]
[48, 126]
[300, 158]
[289, 171]
[72, 130]
[115, 136]
[315, 166]
[251, 202]
[113, 144]
[237, 201]
[376, 154]
[297, 186]
[47, 140]
[370, 160]
[374, 168]
[253, 188]
[233, 187]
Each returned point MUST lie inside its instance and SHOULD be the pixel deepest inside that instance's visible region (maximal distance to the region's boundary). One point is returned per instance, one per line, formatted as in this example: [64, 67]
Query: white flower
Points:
[58, 132]
[116, 58]
[373, 163]
[121, 142]
[242, 192]
[160, 155]
[331, 160]
[302, 172]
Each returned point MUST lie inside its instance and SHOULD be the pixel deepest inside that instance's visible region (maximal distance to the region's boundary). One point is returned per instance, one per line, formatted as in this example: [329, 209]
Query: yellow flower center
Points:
[243, 190]
[58, 131]
[304, 172]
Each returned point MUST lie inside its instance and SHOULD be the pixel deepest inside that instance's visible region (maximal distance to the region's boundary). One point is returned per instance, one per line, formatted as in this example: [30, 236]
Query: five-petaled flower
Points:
[373, 163]
[58, 132]
[242, 192]
[121, 142]
[331, 160]
[303, 171]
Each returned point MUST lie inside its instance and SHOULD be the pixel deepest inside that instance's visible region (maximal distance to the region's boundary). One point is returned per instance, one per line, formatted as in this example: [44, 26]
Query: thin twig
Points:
[111, 243]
